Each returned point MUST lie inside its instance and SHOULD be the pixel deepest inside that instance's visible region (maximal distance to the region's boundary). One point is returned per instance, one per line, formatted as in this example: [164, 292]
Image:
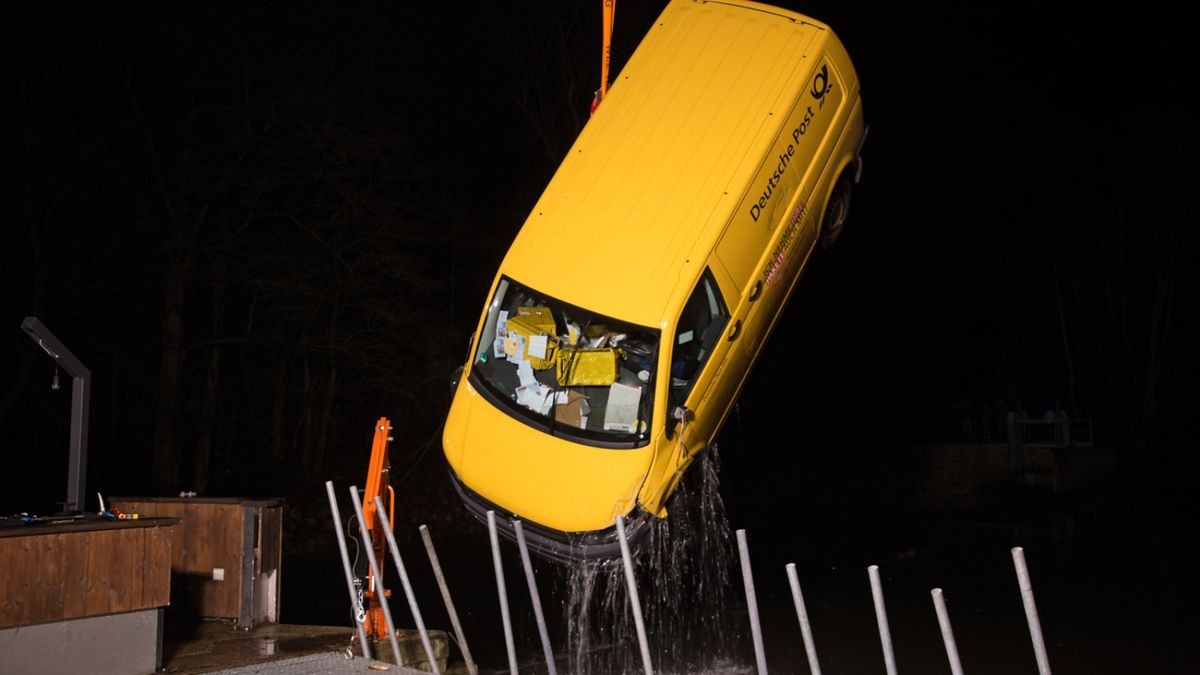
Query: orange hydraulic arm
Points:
[375, 623]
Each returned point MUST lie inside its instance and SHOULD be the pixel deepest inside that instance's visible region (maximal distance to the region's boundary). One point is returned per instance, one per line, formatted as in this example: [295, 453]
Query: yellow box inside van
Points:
[668, 242]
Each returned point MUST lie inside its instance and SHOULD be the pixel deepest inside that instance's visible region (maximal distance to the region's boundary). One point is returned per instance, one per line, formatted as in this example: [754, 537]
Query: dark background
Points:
[264, 225]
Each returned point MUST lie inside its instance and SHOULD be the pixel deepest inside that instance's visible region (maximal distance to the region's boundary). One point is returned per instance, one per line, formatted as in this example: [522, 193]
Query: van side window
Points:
[696, 333]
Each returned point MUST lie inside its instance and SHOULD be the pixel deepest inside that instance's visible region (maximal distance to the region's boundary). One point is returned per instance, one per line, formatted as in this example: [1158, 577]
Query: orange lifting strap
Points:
[610, 12]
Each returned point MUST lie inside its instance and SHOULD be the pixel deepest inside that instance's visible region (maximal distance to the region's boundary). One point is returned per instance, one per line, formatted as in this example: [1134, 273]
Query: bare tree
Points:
[1117, 247]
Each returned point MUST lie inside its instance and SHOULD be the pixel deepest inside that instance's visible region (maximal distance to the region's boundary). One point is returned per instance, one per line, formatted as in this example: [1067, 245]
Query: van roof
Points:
[628, 220]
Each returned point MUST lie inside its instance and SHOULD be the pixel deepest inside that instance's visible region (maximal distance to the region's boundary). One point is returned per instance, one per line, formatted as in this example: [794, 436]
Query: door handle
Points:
[756, 291]
[736, 330]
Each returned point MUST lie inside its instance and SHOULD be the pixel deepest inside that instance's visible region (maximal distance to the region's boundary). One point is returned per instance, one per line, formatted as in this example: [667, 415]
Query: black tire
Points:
[836, 211]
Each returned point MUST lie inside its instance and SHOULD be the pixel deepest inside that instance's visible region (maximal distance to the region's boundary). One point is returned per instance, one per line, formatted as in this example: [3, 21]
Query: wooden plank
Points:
[49, 580]
[204, 544]
[8, 582]
[124, 580]
[26, 612]
[178, 553]
[198, 563]
[137, 586]
[95, 600]
[156, 570]
[221, 530]
[75, 573]
[234, 549]
[14, 583]
[29, 605]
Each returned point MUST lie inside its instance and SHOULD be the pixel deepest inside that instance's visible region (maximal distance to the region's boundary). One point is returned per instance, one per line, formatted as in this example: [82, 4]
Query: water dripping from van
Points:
[693, 619]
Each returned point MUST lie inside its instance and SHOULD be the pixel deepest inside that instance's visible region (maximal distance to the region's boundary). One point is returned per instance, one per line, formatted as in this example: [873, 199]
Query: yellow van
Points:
[637, 295]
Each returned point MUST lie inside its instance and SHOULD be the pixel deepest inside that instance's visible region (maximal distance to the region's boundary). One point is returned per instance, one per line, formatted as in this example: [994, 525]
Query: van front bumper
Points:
[556, 545]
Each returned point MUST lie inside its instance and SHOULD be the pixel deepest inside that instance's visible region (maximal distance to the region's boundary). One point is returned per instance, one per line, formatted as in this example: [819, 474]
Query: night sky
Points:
[295, 210]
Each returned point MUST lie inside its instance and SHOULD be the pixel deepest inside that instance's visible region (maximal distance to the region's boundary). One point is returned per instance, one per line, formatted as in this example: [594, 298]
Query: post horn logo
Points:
[821, 83]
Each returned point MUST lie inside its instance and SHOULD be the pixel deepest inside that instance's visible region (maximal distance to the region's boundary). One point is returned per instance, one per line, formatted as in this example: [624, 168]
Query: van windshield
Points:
[566, 370]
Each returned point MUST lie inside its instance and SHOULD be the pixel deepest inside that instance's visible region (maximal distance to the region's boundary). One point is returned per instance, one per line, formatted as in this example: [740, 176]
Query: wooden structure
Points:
[85, 596]
[228, 561]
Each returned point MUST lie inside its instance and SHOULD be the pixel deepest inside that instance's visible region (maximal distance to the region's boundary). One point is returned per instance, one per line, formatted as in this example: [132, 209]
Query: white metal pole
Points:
[380, 592]
[500, 588]
[341, 536]
[627, 559]
[802, 614]
[441, 581]
[939, 604]
[408, 591]
[760, 655]
[535, 598]
[885, 635]
[1031, 614]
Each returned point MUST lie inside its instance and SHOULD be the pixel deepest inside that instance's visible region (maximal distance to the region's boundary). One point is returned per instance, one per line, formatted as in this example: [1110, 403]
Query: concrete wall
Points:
[113, 644]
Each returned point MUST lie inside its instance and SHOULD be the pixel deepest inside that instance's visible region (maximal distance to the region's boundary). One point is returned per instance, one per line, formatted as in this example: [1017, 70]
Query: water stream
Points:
[691, 613]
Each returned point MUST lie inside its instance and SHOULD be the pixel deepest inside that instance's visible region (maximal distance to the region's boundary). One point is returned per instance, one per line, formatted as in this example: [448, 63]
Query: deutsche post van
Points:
[635, 298]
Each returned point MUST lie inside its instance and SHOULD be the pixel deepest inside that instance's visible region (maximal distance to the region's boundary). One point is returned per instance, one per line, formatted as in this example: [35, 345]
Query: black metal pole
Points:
[81, 387]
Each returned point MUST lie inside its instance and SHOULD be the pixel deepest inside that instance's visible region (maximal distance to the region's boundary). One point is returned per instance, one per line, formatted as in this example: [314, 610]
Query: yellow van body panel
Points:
[579, 491]
[629, 219]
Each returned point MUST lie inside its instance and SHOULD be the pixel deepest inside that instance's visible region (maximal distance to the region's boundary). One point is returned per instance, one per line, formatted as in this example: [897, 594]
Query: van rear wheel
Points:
[835, 213]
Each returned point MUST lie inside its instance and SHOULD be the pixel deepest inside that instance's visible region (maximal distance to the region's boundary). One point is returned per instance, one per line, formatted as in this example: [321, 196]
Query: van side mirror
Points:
[681, 413]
